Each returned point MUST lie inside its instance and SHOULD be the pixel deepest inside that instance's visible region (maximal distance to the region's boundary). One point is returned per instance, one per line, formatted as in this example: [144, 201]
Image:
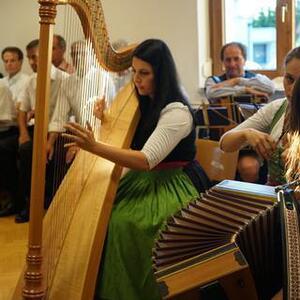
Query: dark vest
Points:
[184, 151]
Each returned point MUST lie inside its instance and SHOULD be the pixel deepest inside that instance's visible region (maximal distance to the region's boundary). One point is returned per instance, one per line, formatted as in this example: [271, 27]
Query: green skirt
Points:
[143, 203]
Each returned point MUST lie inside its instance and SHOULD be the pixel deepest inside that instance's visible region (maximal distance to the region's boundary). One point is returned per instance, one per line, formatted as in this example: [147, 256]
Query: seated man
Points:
[13, 59]
[15, 81]
[27, 101]
[236, 81]
[8, 162]
[78, 94]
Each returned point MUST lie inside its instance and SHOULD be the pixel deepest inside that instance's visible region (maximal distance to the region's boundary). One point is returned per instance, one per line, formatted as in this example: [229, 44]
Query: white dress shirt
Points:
[7, 108]
[259, 82]
[28, 94]
[16, 84]
[77, 97]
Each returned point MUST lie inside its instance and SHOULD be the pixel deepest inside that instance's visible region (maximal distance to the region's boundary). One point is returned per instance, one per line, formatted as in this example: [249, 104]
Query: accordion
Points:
[231, 234]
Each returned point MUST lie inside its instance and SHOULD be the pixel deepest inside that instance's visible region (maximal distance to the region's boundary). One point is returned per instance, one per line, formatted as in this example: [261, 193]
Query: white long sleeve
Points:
[259, 82]
[175, 123]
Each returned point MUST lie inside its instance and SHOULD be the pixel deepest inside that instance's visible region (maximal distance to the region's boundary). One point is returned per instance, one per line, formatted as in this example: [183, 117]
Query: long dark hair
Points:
[292, 118]
[167, 87]
[294, 112]
[293, 138]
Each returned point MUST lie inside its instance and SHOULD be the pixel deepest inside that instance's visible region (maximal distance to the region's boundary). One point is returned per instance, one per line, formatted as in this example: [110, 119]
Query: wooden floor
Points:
[13, 247]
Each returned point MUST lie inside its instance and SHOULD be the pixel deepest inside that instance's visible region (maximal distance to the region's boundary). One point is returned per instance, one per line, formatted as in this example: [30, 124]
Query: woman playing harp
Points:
[61, 262]
[164, 175]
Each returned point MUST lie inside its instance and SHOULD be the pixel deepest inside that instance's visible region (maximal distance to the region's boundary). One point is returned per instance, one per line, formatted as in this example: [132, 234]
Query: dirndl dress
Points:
[144, 201]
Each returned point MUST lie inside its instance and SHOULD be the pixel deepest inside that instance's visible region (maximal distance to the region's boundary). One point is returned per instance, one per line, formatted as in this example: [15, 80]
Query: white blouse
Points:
[174, 124]
[262, 119]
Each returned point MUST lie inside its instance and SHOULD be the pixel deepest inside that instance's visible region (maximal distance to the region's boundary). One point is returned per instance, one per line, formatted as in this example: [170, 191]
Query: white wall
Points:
[174, 21]
[19, 24]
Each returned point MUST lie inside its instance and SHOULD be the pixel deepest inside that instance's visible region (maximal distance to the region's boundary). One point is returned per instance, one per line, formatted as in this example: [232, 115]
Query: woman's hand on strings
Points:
[71, 153]
[99, 108]
[261, 142]
[80, 137]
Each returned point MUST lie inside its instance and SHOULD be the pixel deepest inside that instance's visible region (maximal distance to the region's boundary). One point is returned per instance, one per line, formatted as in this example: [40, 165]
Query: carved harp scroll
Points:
[74, 278]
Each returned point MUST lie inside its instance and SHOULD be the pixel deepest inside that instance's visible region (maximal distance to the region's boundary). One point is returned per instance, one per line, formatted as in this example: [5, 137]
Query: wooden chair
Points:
[217, 164]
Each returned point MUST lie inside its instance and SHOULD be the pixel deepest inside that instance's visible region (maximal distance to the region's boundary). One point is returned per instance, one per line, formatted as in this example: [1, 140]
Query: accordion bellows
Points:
[236, 224]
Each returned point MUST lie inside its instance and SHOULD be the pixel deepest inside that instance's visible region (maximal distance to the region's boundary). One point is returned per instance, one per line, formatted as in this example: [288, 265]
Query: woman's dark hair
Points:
[294, 111]
[167, 87]
[294, 53]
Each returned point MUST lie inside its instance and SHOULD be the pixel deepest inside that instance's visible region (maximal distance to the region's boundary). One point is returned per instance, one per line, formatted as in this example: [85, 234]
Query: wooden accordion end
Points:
[232, 235]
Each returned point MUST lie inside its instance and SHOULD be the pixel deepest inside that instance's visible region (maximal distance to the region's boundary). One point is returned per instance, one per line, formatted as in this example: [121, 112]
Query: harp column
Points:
[34, 281]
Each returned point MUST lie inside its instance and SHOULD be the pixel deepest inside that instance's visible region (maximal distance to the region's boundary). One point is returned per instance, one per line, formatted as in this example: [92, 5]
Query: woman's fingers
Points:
[77, 130]
[79, 136]
[99, 107]
[71, 137]
[266, 147]
[68, 145]
[272, 143]
[261, 151]
[74, 127]
[89, 127]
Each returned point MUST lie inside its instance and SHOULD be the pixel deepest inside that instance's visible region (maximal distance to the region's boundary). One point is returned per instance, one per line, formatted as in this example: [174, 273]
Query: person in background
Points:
[13, 59]
[8, 154]
[266, 130]
[163, 175]
[26, 126]
[58, 54]
[78, 94]
[15, 81]
[236, 81]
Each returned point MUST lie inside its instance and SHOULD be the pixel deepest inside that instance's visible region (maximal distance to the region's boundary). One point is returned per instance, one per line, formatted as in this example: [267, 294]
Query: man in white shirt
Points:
[235, 80]
[58, 54]
[13, 59]
[79, 93]
[7, 115]
[26, 122]
[14, 81]
[8, 152]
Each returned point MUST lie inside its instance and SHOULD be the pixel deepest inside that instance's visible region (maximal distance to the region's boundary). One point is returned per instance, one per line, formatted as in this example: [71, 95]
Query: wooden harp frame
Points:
[99, 185]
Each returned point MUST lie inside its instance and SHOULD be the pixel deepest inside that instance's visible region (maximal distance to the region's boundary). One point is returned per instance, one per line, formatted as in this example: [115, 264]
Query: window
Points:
[265, 28]
[260, 55]
[297, 23]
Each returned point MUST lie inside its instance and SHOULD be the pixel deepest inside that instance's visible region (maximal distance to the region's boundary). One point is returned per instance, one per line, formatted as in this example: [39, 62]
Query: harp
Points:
[231, 234]
[65, 246]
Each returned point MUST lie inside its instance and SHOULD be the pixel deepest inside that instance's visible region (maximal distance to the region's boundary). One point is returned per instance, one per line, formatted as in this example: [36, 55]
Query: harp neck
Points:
[92, 19]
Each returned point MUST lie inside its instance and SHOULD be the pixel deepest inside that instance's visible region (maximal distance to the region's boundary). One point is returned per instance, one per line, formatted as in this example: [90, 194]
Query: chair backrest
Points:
[217, 164]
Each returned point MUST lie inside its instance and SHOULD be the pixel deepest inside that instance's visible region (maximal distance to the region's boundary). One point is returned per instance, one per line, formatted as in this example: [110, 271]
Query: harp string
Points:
[92, 82]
